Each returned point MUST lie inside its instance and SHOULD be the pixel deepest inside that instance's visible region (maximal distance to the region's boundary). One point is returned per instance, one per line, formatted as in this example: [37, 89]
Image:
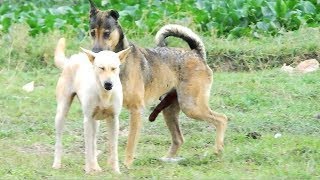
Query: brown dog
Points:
[150, 73]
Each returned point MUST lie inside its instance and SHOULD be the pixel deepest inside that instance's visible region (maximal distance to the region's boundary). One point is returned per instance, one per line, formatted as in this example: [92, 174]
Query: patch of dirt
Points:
[253, 135]
[36, 148]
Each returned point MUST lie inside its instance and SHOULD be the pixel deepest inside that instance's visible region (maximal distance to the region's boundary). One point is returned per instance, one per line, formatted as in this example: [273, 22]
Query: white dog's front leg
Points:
[90, 130]
[113, 133]
[96, 125]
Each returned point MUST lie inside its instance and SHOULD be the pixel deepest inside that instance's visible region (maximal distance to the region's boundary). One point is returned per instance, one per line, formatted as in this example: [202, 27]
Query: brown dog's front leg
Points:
[134, 131]
[165, 102]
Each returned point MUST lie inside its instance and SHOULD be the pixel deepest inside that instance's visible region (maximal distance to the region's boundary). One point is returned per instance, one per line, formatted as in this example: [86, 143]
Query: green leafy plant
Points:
[232, 18]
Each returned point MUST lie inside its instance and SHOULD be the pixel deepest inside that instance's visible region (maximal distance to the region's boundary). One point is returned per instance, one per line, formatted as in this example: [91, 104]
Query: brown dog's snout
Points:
[108, 85]
[97, 49]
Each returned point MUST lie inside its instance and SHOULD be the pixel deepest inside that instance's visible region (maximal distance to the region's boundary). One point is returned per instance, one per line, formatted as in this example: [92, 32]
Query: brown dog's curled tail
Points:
[184, 33]
[59, 56]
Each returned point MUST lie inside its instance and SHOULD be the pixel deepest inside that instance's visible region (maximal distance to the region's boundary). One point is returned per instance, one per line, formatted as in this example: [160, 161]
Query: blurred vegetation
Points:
[233, 18]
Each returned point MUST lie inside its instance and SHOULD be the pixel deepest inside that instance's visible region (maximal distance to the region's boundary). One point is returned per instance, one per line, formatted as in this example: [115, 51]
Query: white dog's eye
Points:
[102, 68]
[113, 69]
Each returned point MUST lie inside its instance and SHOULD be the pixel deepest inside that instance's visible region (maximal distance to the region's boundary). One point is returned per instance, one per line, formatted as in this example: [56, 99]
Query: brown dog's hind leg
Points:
[171, 116]
[169, 98]
[193, 95]
[63, 105]
[206, 114]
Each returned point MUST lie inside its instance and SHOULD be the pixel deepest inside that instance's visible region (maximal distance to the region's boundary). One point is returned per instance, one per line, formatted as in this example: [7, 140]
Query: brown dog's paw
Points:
[128, 162]
[218, 149]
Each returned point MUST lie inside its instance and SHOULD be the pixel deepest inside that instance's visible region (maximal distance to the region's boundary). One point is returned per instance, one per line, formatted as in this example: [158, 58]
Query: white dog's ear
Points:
[123, 54]
[91, 55]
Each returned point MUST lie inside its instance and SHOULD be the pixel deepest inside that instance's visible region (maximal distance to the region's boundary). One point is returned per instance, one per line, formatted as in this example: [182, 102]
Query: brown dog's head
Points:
[104, 29]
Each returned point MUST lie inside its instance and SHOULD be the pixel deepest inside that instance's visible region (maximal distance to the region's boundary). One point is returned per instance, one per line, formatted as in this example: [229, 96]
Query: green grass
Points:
[265, 52]
[23, 52]
[267, 102]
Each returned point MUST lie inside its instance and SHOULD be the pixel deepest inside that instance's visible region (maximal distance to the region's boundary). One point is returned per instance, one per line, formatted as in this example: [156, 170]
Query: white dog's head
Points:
[106, 65]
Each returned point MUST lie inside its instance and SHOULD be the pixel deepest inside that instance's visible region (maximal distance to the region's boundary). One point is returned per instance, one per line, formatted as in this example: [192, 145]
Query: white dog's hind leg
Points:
[113, 134]
[63, 105]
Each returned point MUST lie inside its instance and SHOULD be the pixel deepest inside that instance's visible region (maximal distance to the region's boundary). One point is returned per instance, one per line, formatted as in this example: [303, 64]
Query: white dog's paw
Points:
[114, 164]
[56, 165]
[98, 152]
[92, 169]
[116, 170]
[171, 159]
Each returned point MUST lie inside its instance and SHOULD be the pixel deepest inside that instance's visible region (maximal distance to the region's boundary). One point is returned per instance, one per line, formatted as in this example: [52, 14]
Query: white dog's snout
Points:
[108, 85]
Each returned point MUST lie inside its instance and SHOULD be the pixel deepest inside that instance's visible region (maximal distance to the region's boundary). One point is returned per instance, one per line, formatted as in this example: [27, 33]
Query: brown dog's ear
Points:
[113, 13]
[91, 55]
[123, 54]
[93, 9]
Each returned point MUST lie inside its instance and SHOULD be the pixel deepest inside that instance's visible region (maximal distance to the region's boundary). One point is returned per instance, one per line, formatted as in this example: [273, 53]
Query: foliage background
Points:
[232, 18]
[238, 34]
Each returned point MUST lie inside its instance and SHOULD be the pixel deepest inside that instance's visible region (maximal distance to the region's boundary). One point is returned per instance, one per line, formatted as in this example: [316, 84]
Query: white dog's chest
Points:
[102, 113]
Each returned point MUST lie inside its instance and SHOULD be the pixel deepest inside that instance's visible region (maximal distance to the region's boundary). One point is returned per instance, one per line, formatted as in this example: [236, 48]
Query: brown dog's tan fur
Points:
[150, 73]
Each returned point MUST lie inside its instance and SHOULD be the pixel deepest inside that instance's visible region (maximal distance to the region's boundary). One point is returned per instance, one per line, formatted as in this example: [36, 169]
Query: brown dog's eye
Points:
[106, 34]
[93, 33]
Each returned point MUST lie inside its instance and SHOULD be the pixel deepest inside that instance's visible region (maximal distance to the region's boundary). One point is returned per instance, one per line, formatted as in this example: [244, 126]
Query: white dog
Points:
[94, 78]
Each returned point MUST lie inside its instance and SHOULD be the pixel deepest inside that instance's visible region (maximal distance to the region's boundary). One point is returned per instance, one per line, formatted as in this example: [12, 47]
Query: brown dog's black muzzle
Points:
[97, 49]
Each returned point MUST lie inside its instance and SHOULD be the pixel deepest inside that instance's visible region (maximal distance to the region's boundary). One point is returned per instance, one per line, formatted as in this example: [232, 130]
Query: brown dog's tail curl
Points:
[59, 56]
[184, 33]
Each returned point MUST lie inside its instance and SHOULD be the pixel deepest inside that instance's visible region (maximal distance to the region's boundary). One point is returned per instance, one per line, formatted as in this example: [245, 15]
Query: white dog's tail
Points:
[184, 33]
[59, 56]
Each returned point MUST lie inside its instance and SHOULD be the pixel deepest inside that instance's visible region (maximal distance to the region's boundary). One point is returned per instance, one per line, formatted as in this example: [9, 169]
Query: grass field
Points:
[266, 102]
[24, 52]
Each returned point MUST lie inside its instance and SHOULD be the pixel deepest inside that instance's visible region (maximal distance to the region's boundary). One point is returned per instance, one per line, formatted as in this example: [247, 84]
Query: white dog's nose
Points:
[108, 85]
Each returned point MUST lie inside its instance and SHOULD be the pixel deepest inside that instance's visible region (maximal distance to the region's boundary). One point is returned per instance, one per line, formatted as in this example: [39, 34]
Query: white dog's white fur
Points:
[94, 78]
